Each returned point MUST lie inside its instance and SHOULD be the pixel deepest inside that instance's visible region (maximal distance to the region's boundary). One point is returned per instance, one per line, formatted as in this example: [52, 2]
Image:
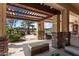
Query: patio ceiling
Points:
[30, 11]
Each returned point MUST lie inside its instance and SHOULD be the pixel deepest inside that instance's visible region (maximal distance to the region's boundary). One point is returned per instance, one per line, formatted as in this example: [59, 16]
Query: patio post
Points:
[41, 29]
[3, 39]
[54, 21]
[28, 28]
[65, 27]
[59, 38]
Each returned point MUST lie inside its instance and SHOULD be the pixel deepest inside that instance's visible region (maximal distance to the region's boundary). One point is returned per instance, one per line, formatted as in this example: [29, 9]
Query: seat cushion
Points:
[74, 42]
[73, 50]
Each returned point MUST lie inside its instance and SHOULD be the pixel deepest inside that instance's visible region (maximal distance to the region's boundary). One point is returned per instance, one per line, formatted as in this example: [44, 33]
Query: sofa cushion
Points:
[73, 50]
[74, 42]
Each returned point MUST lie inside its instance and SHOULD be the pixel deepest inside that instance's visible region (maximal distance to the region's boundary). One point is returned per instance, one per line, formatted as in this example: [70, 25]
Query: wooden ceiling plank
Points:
[29, 8]
[37, 8]
[26, 14]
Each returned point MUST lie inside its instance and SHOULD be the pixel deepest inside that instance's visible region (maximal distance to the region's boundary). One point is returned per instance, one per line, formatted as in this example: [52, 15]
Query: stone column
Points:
[3, 39]
[65, 27]
[56, 27]
[41, 29]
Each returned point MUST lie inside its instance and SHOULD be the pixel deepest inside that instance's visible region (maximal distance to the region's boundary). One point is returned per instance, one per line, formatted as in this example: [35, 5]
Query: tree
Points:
[11, 33]
[24, 24]
[11, 23]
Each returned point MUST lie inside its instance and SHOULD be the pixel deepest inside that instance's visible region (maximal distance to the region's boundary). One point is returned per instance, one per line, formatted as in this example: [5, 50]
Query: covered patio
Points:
[62, 31]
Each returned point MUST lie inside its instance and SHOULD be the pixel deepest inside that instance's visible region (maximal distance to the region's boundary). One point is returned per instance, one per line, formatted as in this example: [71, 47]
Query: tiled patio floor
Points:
[16, 49]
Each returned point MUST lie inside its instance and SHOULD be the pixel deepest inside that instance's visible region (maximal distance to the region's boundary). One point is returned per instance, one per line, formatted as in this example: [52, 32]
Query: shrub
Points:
[13, 38]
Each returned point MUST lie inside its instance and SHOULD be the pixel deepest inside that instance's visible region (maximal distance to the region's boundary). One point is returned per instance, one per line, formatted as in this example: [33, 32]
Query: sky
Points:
[46, 24]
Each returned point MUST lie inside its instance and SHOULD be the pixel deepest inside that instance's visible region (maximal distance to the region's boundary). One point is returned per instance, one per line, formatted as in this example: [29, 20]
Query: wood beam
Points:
[17, 17]
[3, 38]
[41, 30]
[43, 7]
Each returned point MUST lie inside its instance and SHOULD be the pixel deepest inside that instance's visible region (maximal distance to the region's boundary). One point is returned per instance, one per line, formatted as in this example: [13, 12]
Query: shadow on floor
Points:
[15, 46]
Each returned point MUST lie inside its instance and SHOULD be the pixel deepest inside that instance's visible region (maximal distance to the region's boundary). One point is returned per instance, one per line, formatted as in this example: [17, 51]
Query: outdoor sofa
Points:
[74, 48]
[35, 47]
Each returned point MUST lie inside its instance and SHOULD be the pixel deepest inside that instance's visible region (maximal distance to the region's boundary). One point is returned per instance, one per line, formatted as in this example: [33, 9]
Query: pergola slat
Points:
[44, 11]
[20, 5]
